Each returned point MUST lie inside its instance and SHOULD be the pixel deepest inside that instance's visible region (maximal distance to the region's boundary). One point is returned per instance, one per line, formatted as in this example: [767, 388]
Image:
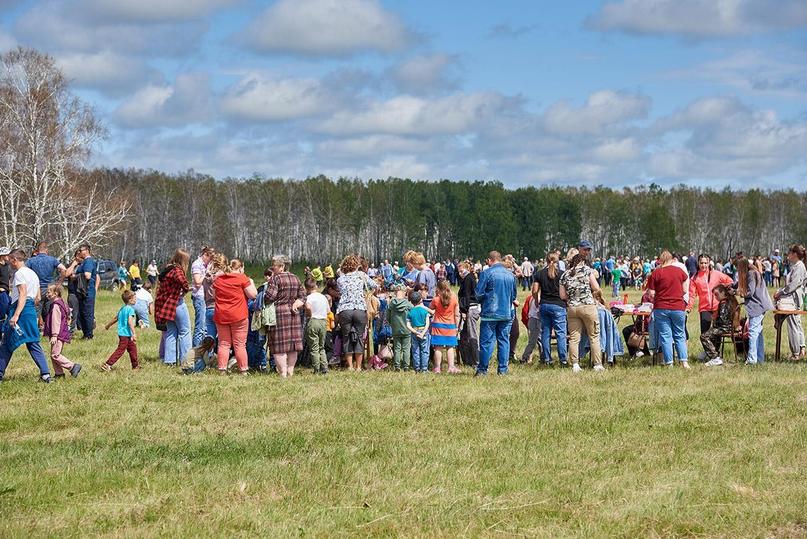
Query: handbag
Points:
[637, 341]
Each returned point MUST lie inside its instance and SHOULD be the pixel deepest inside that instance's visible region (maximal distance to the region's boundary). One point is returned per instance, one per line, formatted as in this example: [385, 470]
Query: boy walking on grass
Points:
[127, 339]
[398, 310]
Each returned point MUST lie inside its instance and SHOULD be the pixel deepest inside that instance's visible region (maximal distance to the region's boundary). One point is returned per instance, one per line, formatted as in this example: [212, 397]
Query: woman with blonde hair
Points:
[352, 310]
[170, 311]
[231, 291]
[218, 265]
[286, 291]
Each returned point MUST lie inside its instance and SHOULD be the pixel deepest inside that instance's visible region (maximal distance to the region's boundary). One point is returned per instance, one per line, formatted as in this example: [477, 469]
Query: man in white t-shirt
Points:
[198, 272]
[317, 306]
[23, 326]
[143, 305]
[526, 273]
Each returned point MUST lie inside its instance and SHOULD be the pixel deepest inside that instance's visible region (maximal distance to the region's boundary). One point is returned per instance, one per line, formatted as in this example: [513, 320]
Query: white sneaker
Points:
[231, 363]
[716, 362]
[576, 368]
[599, 368]
[639, 354]
[749, 362]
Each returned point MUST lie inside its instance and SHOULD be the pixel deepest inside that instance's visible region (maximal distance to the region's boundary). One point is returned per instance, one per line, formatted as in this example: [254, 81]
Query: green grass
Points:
[633, 452]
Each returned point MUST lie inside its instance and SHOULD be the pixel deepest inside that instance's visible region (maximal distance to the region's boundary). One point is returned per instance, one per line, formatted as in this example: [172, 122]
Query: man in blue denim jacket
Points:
[496, 292]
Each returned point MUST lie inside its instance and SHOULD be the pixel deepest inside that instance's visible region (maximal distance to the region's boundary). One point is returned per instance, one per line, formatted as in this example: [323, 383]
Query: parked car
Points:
[108, 271]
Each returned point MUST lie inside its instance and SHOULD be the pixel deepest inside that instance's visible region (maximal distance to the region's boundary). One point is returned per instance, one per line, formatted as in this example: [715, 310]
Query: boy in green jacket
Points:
[399, 308]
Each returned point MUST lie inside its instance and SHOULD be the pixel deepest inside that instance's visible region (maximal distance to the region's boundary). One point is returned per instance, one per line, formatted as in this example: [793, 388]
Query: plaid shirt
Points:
[173, 285]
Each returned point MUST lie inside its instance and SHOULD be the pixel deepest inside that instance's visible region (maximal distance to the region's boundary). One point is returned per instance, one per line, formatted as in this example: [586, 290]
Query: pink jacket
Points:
[701, 286]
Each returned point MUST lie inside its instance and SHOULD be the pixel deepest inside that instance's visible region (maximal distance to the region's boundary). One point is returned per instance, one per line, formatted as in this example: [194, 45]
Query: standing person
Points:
[198, 272]
[426, 279]
[218, 265]
[123, 276]
[57, 330]
[6, 274]
[668, 283]
[127, 338]
[577, 287]
[231, 290]
[285, 290]
[134, 273]
[527, 270]
[752, 287]
[496, 292]
[609, 266]
[151, 273]
[533, 305]
[417, 322]
[73, 301]
[143, 305]
[399, 308]
[794, 291]
[616, 278]
[470, 310]
[170, 310]
[691, 264]
[552, 309]
[352, 310]
[86, 267]
[22, 326]
[444, 326]
[45, 266]
[727, 317]
[701, 286]
[317, 307]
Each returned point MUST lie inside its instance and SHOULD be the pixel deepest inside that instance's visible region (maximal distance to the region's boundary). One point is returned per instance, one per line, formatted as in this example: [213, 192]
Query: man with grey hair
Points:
[496, 293]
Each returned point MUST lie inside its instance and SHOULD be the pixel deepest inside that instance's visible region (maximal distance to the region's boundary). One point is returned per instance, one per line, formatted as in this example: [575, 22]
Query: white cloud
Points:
[258, 98]
[373, 145]
[7, 42]
[185, 102]
[602, 109]
[700, 18]
[148, 10]
[107, 71]
[327, 28]
[423, 74]
[409, 115]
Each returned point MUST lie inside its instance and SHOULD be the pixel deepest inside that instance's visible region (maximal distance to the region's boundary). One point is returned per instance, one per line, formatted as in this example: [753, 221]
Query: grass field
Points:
[633, 452]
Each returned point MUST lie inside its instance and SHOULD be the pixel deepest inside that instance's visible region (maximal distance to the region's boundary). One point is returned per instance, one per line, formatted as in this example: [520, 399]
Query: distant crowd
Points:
[416, 316]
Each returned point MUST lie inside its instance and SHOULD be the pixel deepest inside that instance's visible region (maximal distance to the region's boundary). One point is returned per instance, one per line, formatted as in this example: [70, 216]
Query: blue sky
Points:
[621, 92]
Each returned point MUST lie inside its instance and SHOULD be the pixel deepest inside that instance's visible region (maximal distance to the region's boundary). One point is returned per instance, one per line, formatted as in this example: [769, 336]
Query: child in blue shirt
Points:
[417, 322]
[127, 338]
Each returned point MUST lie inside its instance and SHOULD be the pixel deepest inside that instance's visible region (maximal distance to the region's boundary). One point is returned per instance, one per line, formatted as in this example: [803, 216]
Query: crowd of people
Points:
[399, 316]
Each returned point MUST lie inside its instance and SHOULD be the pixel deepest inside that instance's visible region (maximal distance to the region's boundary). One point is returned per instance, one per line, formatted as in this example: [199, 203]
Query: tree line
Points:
[319, 219]
[47, 193]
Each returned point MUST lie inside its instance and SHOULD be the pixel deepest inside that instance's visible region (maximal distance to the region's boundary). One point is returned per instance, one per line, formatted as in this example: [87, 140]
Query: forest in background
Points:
[320, 220]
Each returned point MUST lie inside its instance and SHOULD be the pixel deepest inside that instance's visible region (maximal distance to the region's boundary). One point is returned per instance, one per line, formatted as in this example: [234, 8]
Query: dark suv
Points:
[108, 271]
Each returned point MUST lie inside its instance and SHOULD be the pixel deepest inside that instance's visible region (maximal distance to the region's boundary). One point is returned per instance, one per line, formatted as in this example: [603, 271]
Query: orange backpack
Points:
[525, 311]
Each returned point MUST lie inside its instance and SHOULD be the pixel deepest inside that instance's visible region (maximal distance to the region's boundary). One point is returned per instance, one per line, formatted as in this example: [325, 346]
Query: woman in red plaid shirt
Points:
[286, 292]
[170, 310]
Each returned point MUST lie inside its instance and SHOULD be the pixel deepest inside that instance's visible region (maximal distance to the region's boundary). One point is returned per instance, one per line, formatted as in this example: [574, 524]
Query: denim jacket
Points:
[496, 292]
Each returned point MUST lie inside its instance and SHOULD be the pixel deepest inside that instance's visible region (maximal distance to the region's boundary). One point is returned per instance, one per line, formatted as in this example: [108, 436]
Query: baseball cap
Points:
[585, 244]
[4, 251]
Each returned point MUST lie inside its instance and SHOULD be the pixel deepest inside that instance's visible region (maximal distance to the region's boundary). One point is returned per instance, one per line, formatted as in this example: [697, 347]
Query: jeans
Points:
[178, 336]
[616, 288]
[37, 354]
[142, 313]
[401, 351]
[256, 350]
[670, 328]
[210, 324]
[553, 317]
[420, 353]
[199, 312]
[534, 340]
[490, 332]
[756, 343]
[87, 314]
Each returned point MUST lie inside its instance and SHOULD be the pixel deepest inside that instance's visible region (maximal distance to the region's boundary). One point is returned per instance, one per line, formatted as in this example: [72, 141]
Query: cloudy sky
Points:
[621, 92]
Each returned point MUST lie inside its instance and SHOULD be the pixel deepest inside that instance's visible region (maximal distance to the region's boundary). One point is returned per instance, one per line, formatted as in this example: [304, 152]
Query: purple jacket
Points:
[64, 331]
